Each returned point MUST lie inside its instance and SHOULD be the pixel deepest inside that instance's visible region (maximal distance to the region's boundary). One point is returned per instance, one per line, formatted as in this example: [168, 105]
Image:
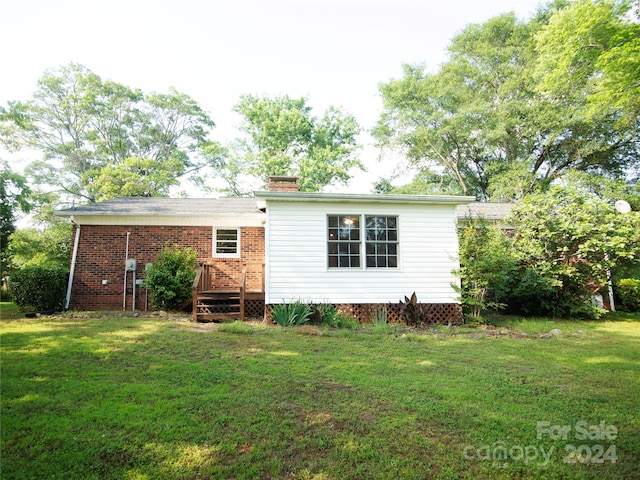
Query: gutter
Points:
[361, 198]
[74, 258]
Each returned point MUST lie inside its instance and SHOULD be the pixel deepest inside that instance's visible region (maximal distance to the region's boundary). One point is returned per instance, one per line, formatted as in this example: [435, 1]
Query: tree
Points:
[482, 121]
[14, 198]
[135, 177]
[591, 49]
[283, 138]
[460, 122]
[89, 130]
[50, 246]
[570, 238]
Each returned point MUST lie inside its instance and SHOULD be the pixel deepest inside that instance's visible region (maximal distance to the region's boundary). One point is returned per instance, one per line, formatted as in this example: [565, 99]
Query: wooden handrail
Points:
[196, 280]
[195, 288]
[243, 285]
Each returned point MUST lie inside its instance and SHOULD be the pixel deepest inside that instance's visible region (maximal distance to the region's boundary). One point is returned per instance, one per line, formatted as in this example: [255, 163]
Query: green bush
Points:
[290, 314]
[39, 288]
[487, 266]
[628, 291]
[171, 276]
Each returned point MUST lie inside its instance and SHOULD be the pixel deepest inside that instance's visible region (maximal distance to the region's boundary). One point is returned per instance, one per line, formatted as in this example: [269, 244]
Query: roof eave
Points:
[363, 198]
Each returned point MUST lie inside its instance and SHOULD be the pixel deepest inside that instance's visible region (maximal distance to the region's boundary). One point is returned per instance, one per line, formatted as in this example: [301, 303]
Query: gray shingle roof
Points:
[226, 206]
[487, 211]
[167, 207]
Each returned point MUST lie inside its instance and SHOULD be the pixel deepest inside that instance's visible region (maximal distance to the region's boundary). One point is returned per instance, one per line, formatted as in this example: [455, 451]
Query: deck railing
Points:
[204, 283]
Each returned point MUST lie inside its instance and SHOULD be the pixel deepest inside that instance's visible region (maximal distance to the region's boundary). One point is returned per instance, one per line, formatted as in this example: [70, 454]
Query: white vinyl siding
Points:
[297, 253]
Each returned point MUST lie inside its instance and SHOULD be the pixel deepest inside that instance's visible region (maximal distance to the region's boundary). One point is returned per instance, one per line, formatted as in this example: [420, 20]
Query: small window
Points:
[344, 241]
[226, 242]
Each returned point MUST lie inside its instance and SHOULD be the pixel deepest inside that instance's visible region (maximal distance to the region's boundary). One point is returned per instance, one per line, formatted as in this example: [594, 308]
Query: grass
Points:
[9, 311]
[101, 397]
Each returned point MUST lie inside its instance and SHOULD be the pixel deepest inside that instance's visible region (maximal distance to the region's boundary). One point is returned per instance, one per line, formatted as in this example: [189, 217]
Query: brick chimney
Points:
[284, 184]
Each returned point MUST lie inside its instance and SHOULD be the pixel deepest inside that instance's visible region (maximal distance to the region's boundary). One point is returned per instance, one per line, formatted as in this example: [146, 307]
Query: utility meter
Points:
[130, 265]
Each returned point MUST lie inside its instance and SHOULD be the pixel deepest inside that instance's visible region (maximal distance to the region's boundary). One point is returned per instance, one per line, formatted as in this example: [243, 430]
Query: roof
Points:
[154, 206]
[484, 210]
[232, 206]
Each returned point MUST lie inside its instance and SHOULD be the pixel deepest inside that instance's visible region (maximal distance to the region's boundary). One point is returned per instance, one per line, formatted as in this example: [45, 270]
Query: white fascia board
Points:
[264, 197]
[231, 220]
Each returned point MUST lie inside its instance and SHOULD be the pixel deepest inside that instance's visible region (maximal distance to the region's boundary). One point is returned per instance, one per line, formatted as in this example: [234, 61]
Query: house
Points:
[356, 251]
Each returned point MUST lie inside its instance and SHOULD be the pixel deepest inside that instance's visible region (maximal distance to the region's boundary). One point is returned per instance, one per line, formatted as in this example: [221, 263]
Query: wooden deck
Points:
[211, 304]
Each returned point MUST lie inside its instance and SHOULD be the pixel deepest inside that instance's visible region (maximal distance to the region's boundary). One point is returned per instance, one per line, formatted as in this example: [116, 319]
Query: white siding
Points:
[296, 259]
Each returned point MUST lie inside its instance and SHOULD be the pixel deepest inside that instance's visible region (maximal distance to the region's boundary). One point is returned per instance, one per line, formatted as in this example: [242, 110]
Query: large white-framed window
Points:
[362, 241]
[226, 242]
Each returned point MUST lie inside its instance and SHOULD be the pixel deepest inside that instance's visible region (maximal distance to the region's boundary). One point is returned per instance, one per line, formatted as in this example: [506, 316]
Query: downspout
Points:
[124, 291]
[74, 258]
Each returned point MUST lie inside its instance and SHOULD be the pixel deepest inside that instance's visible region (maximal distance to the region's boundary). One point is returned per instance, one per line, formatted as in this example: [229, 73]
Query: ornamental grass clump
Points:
[291, 314]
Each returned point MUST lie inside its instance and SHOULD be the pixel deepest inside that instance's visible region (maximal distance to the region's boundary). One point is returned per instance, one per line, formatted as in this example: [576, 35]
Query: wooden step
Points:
[217, 295]
[217, 316]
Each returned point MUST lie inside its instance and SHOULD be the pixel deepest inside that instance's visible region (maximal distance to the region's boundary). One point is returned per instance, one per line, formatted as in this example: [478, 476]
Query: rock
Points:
[552, 333]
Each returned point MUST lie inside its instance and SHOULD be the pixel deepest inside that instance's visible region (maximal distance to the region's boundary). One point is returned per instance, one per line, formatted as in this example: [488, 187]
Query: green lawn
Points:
[104, 397]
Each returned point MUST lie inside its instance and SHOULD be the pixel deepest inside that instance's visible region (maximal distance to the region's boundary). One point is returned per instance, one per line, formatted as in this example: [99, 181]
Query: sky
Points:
[333, 52]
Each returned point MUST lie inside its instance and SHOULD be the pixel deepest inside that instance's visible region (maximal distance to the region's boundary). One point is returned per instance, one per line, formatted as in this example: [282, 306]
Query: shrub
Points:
[290, 314]
[39, 287]
[487, 266]
[629, 294]
[171, 276]
[414, 313]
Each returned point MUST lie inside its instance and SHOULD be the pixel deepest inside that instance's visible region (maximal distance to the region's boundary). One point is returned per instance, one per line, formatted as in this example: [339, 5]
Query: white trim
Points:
[363, 242]
[232, 221]
[214, 248]
[360, 198]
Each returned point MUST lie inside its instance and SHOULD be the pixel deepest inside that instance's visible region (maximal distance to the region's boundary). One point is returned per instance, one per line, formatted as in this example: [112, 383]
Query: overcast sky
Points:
[334, 52]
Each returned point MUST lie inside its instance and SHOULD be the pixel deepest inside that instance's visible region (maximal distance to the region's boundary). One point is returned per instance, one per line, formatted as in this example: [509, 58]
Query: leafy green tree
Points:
[14, 199]
[84, 125]
[50, 246]
[489, 121]
[135, 177]
[463, 121]
[591, 50]
[571, 238]
[283, 138]
[426, 182]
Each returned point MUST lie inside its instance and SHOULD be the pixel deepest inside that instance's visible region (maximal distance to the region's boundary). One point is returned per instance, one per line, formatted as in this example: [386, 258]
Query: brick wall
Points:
[227, 271]
[284, 184]
[101, 256]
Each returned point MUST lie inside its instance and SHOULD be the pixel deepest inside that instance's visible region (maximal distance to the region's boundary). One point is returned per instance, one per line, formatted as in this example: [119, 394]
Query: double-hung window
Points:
[344, 241]
[355, 241]
[226, 242]
[381, 240]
